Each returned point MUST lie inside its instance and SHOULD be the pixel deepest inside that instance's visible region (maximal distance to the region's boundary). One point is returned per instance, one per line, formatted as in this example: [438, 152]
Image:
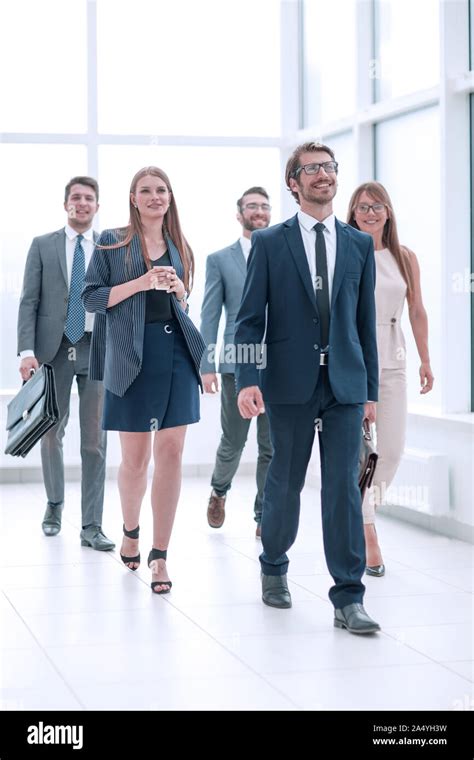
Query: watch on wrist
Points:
[184, 298]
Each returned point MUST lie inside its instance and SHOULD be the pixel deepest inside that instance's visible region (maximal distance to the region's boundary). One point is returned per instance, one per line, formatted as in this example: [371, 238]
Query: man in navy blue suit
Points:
[309, 295]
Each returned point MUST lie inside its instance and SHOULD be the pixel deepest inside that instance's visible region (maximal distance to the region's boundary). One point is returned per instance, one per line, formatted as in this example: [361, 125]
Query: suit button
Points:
[393, 320]
[315, 320]
[315, 346]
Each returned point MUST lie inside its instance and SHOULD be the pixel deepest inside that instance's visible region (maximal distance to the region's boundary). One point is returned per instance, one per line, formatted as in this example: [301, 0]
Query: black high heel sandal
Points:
[131, 534]
[159, 554]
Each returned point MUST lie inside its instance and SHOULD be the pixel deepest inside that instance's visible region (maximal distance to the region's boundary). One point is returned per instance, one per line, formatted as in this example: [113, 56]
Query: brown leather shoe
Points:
[258, 532]
[216, 510]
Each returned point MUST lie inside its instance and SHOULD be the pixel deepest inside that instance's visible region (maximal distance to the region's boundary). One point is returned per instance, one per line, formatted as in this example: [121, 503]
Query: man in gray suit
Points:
[54, 328]
[225, 277]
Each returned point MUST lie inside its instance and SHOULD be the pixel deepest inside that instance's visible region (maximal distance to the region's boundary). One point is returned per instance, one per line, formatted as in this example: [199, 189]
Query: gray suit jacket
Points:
[117, 341]
[44, 297]
[225, 277]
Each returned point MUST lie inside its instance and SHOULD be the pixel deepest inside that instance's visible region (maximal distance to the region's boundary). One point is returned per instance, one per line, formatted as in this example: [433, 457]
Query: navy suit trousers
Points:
[293, 428]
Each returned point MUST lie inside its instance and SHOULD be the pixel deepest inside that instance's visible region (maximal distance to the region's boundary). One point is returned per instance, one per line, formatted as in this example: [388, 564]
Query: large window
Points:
[343, 147]
[471, 16]
[205, 76]
[413, 183]
[185, 68]
[43, 60]
[406, 46]
[472, 250]
[329, 50]
[32, 197]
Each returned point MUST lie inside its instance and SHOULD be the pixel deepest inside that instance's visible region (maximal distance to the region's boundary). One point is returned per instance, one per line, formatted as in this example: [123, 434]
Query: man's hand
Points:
[210, 382]
[250, 402]
[370, 411]
[26, 365]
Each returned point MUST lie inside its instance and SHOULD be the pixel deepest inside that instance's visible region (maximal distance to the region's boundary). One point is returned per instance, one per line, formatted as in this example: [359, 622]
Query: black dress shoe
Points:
[52, 519]
[92, 536]
[355, 619]
[275, 591]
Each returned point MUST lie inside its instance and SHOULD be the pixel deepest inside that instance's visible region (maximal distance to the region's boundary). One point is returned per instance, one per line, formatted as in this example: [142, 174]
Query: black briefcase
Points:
[367, 459]
[32, 412]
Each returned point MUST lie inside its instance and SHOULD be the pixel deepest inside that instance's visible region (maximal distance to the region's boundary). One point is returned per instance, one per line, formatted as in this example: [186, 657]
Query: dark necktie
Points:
[322, 284]
[76, 315]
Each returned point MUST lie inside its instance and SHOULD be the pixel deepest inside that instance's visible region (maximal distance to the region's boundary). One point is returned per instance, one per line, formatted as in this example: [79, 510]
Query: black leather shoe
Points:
[355, 619]
[92, 536]
[275, 591]
[52, 519]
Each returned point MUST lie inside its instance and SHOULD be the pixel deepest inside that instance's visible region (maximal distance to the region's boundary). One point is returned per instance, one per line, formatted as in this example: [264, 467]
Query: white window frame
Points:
[452, 96]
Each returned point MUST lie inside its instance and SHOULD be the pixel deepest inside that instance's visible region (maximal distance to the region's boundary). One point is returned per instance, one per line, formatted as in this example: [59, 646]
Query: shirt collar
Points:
[72, 234]
[308, 222]
[246, 244]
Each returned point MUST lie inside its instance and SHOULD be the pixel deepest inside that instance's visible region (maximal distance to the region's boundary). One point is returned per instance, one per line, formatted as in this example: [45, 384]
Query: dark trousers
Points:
[292, 429]
[73, 361]
[234, 436]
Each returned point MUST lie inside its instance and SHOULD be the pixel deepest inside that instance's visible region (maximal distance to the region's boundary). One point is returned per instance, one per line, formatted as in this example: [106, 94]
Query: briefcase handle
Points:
[366, 431]
[32, 372]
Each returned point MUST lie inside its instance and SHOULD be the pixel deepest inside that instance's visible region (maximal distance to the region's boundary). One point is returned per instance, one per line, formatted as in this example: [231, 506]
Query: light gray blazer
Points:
[225, 277]
[44, 297]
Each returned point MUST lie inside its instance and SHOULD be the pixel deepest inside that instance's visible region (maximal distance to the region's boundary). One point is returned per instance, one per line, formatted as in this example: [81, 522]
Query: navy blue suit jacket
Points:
[117, 341]
[279, 301]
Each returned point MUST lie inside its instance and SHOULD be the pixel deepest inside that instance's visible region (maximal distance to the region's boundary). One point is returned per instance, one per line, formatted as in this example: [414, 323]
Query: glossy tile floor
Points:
[79, 631]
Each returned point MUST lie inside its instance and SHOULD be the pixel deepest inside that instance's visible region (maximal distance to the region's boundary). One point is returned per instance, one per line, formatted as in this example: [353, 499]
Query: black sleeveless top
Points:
[158, 302]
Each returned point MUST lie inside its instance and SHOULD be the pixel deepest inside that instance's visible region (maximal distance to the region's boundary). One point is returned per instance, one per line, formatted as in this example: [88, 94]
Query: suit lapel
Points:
[137, 263]
[60, 245]
[342, 253]
[175, 258]
[135, 269]
[238, 257]
[295, 241]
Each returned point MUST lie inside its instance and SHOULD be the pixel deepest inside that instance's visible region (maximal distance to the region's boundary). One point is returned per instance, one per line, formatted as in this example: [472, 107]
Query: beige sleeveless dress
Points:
[390, 296]
[390, 425]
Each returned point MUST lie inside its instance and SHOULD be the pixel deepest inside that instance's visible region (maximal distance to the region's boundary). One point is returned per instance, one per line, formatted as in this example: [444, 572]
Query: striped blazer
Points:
[117, 343]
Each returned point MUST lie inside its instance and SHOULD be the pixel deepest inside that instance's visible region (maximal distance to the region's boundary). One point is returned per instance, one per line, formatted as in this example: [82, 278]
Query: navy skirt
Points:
[166, 392]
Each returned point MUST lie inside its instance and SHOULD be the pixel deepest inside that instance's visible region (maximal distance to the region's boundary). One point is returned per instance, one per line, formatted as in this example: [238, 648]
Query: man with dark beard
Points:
[225, 276]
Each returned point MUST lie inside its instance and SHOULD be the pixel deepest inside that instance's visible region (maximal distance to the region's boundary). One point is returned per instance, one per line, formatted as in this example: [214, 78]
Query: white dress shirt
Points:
[307, 223]
[245, 244]
[88, 246]
[308, 234]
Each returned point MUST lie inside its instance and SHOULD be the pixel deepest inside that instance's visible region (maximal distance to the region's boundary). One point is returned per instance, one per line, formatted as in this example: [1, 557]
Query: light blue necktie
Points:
[76, 315]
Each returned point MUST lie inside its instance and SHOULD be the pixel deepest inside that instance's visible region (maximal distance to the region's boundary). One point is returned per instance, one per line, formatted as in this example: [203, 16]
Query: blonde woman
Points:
[139, 277]
[397, 281]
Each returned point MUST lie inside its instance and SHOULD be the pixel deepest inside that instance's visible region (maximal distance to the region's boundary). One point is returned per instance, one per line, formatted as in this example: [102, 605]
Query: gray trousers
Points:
[73, 361]
[234, 436]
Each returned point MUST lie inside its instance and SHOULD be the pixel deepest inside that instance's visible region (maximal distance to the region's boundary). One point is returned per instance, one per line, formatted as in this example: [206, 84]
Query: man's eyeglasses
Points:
[330, 167]
[364, 208]
[256, 206]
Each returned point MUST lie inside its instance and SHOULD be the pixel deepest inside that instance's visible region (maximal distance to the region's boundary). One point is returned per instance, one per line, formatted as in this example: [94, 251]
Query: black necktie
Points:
[322, 284]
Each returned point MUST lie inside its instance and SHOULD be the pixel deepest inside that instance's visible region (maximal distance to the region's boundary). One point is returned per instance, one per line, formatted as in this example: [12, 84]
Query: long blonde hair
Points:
[390, 234]
[171, 227]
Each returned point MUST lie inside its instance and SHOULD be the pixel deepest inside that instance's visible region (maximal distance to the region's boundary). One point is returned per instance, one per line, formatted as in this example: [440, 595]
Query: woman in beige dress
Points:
[397, 280]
